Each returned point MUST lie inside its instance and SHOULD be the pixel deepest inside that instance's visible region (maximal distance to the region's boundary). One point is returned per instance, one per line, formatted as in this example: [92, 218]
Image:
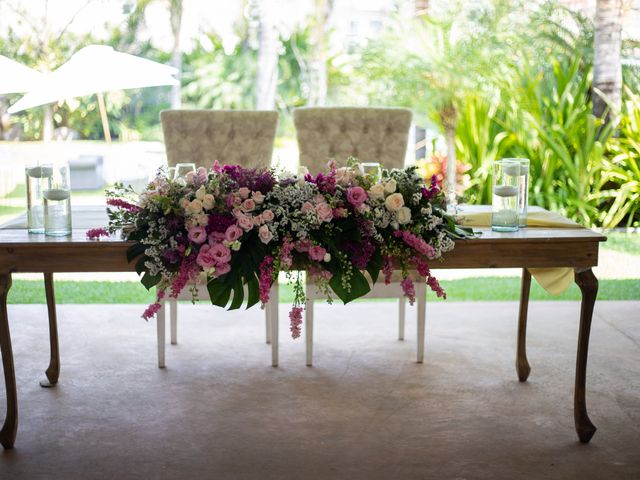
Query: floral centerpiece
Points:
[235, 229]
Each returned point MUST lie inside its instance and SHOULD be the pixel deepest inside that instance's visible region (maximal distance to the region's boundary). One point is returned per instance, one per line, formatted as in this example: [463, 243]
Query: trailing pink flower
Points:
[295, 318]
[286, 259]
[155, 307]
[433, 283]
[266, 274]
[415, 242]
[425, 271]
[96, 233]
[119, 203]
[408, 289]
[188, 270]
[387, 269]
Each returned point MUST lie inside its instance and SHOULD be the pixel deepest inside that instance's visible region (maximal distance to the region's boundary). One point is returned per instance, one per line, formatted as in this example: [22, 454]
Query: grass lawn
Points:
[470, 289]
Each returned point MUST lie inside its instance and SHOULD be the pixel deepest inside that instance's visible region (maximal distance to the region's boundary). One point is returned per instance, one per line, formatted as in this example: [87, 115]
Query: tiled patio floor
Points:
[364, 411]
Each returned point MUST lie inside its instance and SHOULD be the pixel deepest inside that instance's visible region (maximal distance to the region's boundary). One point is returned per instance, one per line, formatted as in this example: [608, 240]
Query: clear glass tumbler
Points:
[37, 180]
[523, 189]
[57, 203]
[183, 168]
[506, 189]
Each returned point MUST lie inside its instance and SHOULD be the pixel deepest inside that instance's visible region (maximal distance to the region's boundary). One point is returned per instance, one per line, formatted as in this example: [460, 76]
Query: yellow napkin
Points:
[553, 280]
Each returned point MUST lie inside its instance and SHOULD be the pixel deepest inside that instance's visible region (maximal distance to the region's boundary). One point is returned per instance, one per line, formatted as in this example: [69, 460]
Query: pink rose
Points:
[236, 212]
[317, 253]
[198, 235]
[258, 220]
[248, 205]
[205, 257]
[215, 237]
[222, 269]
[258, 197]
[307, 207]
[244, 192]
[233, 233]
[190, 177]
[201, 174]
[267, 215]
[221, 254]
[265, 234]
[231, 200]
[245, 223]
[324, 212]
[340, 212]
[356, 196]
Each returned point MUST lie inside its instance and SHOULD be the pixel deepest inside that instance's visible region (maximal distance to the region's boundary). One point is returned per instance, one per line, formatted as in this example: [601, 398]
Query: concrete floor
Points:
[364, 411]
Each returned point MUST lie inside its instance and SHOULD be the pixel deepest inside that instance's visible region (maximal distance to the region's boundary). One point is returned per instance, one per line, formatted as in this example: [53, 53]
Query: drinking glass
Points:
[57, 203]
[372, 169]
[183, 168]
[171, 173]
[523, 189]
[37, 180]
[504, 204]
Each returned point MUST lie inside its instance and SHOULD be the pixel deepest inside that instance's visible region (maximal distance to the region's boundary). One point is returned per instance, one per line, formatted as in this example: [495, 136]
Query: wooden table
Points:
[576, 248]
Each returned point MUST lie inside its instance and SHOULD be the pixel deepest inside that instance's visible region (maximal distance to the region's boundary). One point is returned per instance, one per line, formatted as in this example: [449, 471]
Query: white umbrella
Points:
[94, 70]
[16, 78]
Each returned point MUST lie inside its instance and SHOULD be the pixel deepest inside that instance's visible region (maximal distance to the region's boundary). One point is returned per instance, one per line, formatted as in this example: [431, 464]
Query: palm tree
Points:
[607, 66]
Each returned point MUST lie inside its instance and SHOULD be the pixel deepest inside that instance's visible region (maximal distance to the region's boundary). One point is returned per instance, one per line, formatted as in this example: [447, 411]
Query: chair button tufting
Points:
[343, 128]
[232, 134]
[365, 129]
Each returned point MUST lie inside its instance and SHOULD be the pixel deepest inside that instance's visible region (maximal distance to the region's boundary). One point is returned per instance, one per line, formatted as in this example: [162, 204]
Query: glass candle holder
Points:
[183, 168]
[504, 204]
[37, 180]
[372, 169]
[523, 189]
[57, 203]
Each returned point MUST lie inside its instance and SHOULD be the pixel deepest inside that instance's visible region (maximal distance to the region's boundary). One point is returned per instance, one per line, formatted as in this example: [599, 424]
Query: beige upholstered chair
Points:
[233, 138]
[372, 135]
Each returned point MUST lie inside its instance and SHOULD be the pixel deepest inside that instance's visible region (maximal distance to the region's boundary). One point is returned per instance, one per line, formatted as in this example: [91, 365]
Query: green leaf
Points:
[358, 283]
[253, 290]
[150, 281]
[140, 268]
[135, 251]
[238, 295]
[219, 292]
[375, 265]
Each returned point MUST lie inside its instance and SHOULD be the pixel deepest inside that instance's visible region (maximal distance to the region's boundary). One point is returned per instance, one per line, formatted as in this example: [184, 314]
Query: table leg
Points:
[522, 364]
[10, 427]
[53, 371]
[588, 283]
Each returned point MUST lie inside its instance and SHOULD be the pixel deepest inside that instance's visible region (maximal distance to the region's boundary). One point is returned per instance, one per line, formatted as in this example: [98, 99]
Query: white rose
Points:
[377, 191]
[404, 215]
[208, 201]
[195, 206]
[390, 186]
[202, 219]
[184, 203]
[265, 234]
[201, 192]
[394, 202]
[327, 257]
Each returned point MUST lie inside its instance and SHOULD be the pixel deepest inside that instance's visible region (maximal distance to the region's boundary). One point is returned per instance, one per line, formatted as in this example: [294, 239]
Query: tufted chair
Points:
[233, 138]
[372, 135]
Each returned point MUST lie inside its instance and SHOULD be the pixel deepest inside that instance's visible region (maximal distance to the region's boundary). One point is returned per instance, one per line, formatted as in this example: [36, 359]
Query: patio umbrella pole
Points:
[103, 117]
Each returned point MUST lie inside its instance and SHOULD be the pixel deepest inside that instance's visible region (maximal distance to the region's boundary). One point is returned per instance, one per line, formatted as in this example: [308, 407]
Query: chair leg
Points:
[401, 315]
[421, 294]
[308, 331]
[267, 323]
[160, 317]
[273, 319]
[173, 313]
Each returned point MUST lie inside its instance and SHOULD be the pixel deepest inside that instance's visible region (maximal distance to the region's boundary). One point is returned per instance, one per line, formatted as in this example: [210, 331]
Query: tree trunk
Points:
[449, 119]
[607, 67]
[176, 52]
[267, 72]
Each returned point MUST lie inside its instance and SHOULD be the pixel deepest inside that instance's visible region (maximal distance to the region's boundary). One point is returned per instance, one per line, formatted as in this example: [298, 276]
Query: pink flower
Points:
[221, 254]
[216, 237]
[265, 234]
[231, 200]
[96, 233]
[222, 269]
[307, 207]
[317, 253]
[198, 235]
[245, 223]
[258, 220]
[216, 167]
[248, 205]
[206, 258]
[340, 212]
[324, 212]
[295, 318]
[118, 202]
[303, 245]
[408, 289]
[356, 196]
[258, 197]
[233, 233]
[236, 212]
[244, 192]
[267, 215]
[266, 273]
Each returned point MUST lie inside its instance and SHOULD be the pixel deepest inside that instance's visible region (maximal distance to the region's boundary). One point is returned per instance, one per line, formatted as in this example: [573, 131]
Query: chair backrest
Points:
[369, 134]
[231, 137]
